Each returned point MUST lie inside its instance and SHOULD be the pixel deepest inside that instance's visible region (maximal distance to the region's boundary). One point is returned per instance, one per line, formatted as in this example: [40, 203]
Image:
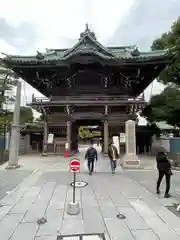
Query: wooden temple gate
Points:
[88, 82]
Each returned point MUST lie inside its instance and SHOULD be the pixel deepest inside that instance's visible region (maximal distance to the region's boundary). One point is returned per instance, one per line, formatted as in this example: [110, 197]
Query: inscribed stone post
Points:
[45, 144]
[15, 132]
[130, 158]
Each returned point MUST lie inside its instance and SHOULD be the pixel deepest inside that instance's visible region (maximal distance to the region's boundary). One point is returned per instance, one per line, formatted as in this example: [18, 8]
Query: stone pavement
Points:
[46, 193]
[10, 179]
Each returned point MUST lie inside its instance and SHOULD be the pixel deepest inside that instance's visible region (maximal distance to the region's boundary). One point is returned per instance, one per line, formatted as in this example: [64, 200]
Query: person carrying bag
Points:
[164, 169]
[91, 156]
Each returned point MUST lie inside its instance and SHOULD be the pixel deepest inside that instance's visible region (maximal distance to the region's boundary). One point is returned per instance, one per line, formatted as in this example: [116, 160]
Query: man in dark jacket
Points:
[91, 156]
[164, 168]
[113, 156]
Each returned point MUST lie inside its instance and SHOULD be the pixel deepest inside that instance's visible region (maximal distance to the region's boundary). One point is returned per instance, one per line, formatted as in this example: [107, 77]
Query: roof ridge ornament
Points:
[135, 52]
[39, 56]
[87, 31]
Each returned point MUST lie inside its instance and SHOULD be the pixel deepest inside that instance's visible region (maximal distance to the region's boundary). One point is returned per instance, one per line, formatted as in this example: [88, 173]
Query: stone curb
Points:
[21, 183]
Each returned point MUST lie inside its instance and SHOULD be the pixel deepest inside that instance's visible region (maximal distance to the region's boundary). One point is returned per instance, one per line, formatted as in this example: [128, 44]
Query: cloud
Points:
[146, 21]
[19, 37]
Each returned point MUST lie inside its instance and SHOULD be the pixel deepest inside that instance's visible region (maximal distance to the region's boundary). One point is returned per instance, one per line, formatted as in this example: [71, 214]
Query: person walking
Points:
[91, 156]
[113, 156]
[164, 169]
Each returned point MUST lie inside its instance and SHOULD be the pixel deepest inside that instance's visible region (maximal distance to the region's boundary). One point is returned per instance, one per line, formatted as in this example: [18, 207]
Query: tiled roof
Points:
[88, 44]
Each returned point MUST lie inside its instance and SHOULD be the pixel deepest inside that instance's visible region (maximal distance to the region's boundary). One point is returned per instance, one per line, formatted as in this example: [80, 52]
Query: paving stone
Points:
[38, 208]
[133, 219]
[177, 230]
[25, 231]
[8, 225]
[93, 221]
[72, 226]
[108, 210]
[119, 200]
[154, 222]
[53, 237]
[101, 195]
[10, 179]
[59, 197]
[4, 211]
[88, 197]
[13, 197]
[53, 224]
[118, 229]
[147, 234]
[169, 217]
[23, 205]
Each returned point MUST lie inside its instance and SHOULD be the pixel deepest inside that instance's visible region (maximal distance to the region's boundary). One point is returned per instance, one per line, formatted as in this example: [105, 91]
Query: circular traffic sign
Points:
[75, 165]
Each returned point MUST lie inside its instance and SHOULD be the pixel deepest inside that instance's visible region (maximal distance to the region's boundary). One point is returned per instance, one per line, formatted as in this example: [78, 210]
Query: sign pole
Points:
[74, 188]
[73, 206]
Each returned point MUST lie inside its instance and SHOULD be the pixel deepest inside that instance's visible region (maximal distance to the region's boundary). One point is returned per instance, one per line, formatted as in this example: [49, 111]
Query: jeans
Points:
[91, 165]
[113, 165]
[161, 175]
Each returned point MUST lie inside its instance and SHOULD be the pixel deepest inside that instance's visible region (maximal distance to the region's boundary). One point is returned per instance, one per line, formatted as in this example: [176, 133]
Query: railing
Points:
[39, 99]
[84, 98]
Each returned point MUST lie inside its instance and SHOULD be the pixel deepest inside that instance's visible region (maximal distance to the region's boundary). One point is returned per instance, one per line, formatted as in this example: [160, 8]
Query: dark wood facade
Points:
[88, 82]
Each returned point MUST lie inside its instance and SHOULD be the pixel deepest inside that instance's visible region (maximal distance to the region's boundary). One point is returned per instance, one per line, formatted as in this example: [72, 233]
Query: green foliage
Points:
[8, 80]
[84, 132]
[164, 107]
[26, 115]
[170, 40]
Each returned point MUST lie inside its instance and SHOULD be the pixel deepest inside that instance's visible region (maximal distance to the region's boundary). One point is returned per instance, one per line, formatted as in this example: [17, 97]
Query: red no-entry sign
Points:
[75, 165]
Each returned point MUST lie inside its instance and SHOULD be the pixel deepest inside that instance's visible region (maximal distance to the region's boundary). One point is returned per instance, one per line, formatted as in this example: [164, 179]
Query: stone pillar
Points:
[15, 132]
[45, 139]
[106, 137]
[131, 158]
[68, 135]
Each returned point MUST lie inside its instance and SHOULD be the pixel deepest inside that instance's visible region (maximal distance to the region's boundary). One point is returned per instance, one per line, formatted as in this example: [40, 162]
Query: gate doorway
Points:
[88, 132]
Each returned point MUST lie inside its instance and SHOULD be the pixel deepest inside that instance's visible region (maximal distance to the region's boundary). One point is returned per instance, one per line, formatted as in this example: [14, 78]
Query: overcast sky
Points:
[26, 26]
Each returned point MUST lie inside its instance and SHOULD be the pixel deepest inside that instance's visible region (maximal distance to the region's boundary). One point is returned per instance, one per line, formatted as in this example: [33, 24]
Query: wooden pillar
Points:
[68, 135]
[106, 137]
[45, 139]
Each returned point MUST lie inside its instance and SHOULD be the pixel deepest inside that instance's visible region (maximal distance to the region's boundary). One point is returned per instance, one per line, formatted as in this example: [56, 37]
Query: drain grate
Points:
[79, 184]
[90, 236]
[173, 209]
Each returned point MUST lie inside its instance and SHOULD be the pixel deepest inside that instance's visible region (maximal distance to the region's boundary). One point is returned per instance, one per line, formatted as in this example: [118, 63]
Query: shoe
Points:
[158, 191]
[167, 195]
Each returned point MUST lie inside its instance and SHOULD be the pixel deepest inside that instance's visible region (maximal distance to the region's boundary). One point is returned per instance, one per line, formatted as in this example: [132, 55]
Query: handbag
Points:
[86, 165]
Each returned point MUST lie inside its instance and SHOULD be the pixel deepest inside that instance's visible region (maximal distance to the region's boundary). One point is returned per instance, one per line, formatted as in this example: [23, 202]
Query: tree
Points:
[84, 132]
[164, 107]
[8, 79]
[26, 115]
[170, 40]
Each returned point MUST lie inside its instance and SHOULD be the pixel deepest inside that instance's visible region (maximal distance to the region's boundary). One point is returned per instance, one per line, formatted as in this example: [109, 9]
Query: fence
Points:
[4, 155]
